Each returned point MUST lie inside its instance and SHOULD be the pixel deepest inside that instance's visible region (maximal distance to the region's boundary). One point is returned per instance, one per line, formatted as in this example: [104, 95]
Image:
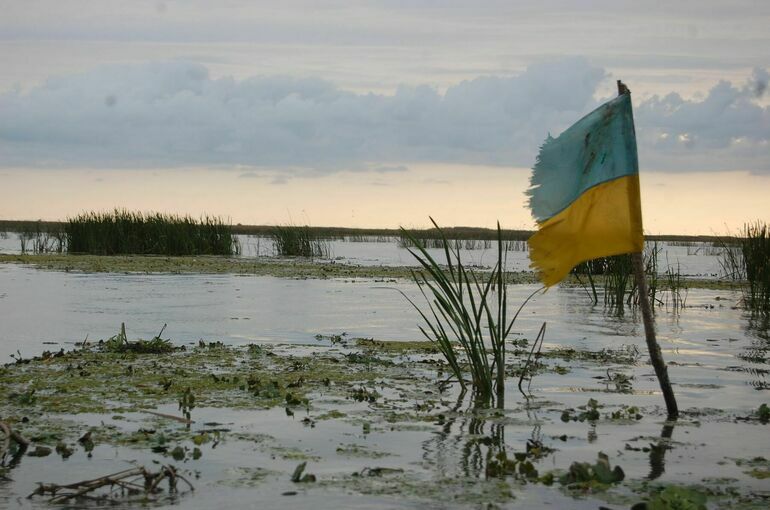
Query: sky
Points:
[374, 113]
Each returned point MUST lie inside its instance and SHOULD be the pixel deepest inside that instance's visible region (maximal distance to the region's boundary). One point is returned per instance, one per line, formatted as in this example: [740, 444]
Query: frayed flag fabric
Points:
[584, 193]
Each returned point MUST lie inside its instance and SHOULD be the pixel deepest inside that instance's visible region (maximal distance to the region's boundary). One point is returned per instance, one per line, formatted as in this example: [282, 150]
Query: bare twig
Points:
[539, 340]
[126, 479]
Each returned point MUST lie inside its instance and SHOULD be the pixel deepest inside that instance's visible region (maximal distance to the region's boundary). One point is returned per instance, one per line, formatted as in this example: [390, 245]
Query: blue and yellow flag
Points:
[584, 192]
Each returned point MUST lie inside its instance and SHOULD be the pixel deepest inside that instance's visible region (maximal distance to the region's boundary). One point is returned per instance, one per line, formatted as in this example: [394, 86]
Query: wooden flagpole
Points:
[649, 323]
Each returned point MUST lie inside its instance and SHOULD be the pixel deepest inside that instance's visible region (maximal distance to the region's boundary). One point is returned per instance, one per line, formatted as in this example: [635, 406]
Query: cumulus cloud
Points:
[728, 129]
[166, 114]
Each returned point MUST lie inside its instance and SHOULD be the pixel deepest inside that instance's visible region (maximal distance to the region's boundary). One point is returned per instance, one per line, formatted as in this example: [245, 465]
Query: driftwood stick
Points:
[11, 435]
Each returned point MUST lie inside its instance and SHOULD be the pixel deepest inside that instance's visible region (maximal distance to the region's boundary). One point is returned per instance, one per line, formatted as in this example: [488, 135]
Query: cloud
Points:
[726, 130]
[170, 114]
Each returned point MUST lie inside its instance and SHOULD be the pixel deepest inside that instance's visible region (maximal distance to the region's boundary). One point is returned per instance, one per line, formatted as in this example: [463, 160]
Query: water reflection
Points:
[658, 451]
[12, 454]
[758, 351]
[471, 443]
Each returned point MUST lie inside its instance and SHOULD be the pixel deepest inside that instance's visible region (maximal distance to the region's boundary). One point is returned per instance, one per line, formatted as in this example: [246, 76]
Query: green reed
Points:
[747, 259]
[756, 260]
[131, 232]
[615, 275]
[468, 311]
[299, 241]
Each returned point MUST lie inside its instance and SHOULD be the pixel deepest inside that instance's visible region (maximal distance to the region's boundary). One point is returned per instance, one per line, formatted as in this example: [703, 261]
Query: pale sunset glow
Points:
[376, 115]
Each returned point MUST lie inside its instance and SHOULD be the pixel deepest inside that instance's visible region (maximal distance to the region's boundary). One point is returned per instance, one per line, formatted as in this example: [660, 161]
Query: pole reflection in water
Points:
[658, 452]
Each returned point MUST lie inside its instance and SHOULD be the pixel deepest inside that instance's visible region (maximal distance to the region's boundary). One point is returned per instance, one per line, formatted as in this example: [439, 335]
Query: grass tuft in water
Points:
[129, 232]
[747, 259]
[120, 344]
[299, 241]
[615, 274]
[468, 311]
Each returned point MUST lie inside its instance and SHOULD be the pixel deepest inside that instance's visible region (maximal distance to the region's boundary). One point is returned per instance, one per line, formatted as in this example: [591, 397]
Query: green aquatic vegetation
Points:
[469, 492]
[123, 232]
[519, 467]
[120, 344]
[467, 312]
[621, 381]
[64, 450]
[187, 402]
[598, 476]
[677, 498]
[24, 398]
[362, 394]
[623, 355]
[400, 347]
[94, 380]
[334, 339]
[759, 467]
[759, 473]
[299, 241]
[747, 260]
[277, 267]
[763, 413]
[626, 413]
[366, 358]
[589, 412]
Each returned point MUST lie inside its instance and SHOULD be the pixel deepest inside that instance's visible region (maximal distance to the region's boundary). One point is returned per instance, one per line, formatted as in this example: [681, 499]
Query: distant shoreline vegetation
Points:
[131, 232]
[331, 233]
[124, 232]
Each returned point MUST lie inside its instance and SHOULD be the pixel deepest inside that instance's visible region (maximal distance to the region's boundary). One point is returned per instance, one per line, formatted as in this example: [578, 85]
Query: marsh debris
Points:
[120, 344]
[129, 482]
[299, 477]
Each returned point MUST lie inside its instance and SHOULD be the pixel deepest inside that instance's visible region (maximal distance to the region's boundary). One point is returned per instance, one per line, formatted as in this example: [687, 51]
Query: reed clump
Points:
[747, 259]
[299, 241]
[130, 232]
[121, 345]
[467, 315]
[614, 277]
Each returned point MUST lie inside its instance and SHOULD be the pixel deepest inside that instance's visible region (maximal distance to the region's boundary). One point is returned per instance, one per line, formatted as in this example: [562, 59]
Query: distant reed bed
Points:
[131, 232]
[299, 241]
[426, 239]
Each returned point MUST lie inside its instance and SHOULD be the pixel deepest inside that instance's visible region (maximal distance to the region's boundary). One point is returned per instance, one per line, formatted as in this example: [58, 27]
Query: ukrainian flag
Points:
[584, 192]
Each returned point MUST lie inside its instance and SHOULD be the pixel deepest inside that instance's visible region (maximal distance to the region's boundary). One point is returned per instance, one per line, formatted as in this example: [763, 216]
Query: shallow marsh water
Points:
[697, 259]
[442, 444]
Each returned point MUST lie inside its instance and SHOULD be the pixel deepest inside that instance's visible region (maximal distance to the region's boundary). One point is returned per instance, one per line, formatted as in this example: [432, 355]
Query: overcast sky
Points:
[377, 100]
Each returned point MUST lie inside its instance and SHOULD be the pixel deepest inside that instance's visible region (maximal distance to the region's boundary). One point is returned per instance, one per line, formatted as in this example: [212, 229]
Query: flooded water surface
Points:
[393, 434]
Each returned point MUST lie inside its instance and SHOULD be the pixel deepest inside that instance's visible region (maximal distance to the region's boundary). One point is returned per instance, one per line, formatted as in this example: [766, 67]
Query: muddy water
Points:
[718, 365]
